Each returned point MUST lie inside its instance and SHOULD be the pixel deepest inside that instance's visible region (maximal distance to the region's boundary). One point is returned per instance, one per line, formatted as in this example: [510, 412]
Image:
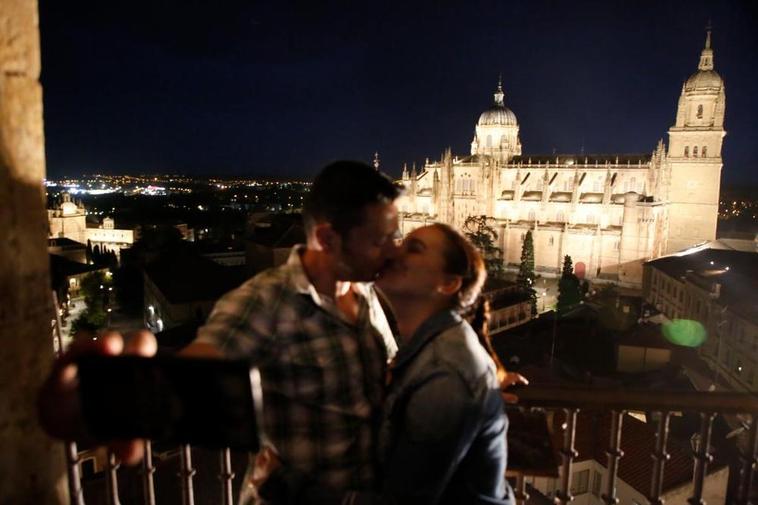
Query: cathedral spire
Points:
[499, 95]
[706, 57]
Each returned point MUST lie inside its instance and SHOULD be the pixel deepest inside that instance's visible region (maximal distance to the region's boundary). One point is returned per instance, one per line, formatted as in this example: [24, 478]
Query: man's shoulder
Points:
[267, 287]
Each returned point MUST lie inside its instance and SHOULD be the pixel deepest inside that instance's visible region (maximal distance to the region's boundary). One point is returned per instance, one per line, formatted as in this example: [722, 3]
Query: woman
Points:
[443, 433]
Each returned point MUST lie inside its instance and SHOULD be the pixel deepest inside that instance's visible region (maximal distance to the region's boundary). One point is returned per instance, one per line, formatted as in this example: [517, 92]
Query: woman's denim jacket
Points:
[443, 438]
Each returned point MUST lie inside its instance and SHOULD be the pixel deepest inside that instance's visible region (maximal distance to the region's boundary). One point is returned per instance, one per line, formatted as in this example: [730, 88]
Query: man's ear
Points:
[451, 285]
[326, 237]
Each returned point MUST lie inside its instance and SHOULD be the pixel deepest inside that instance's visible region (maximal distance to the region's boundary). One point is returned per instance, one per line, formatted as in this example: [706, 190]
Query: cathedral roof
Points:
[583, 159]
[498, 114]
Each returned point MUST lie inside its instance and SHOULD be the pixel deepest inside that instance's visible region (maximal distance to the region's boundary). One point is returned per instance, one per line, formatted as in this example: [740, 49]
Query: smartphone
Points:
[210, 403]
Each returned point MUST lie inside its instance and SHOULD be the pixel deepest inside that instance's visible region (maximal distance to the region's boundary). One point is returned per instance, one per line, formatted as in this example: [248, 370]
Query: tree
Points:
[569, 288]
[94, 288]
[484, 237]
[525, 279]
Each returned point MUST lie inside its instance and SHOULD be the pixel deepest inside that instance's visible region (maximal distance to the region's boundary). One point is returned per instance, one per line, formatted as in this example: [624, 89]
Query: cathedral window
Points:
[694, 152]
[561, 217]
[704, 151]
[700, 112]
[687, 151]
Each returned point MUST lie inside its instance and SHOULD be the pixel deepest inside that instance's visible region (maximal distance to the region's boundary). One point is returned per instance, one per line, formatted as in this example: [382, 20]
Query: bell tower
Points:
[694, 156]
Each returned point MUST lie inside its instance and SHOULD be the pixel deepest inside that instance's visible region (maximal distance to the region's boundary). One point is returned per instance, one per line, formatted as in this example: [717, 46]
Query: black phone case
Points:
[211, 403]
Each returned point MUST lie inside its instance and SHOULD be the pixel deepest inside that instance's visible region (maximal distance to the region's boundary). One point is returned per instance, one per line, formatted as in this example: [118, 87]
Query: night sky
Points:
[279, 89]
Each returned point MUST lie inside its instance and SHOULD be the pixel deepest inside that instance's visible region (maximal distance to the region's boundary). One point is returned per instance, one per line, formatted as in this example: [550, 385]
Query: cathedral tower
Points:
[694, 156]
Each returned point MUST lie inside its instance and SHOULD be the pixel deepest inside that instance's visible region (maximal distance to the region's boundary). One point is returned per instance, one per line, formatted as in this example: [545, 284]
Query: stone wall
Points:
[32, 466]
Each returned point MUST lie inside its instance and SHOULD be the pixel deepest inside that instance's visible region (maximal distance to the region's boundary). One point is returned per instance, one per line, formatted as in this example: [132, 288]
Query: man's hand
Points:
[511, 379]
[59, 408]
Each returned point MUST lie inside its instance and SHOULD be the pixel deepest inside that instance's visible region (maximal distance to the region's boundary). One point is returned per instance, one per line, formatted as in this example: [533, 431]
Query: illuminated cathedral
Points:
[609, 212]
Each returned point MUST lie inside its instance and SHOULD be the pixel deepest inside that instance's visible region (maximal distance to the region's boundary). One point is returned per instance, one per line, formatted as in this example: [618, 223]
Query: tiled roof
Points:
[185, 277]
[593, 431]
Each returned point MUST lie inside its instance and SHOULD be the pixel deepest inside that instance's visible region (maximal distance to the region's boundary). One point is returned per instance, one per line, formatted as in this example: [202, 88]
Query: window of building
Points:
[704, 151]
[551, 241]
[489, 140]
[700, 112]
[616, 245]
[597, 483]
[694, 152]
[532, 215]
[686, 151]
[560, 217]
[580, 482]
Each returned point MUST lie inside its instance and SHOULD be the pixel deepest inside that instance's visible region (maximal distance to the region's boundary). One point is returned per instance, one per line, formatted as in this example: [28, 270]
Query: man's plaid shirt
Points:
[323, 377]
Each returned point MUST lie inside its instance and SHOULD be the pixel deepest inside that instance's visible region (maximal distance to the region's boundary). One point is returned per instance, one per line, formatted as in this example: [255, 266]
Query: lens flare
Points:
[685, 332]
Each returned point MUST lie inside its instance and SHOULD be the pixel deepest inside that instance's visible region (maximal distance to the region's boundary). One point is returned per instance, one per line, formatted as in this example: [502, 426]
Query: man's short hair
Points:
[342, 190]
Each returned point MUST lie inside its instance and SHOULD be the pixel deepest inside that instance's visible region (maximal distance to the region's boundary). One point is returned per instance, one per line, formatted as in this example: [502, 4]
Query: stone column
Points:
[32, 468]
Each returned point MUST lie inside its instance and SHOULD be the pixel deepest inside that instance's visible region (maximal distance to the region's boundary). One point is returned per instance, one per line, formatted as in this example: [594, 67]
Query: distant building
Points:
[271, 238]
[508, 308]
[716, 287]
[610, 213]
[69, 220]
[182, 289]
[69, 249]
[642, 349]
[66, 276]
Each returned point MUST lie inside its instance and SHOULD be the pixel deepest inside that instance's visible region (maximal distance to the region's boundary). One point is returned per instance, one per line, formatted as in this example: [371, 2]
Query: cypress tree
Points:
[569, 288]
[525, 279]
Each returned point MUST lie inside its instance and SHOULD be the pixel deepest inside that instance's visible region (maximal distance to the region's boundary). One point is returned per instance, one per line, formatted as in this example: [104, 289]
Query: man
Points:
[314, 328]
[317, 331]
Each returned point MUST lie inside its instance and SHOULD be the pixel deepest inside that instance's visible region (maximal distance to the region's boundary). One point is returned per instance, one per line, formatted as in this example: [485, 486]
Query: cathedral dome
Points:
[498, 114]
[703, 80]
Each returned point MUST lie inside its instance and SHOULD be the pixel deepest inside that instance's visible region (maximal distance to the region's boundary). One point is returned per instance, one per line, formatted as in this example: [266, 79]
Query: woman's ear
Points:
[451, 285]
[327, 239]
